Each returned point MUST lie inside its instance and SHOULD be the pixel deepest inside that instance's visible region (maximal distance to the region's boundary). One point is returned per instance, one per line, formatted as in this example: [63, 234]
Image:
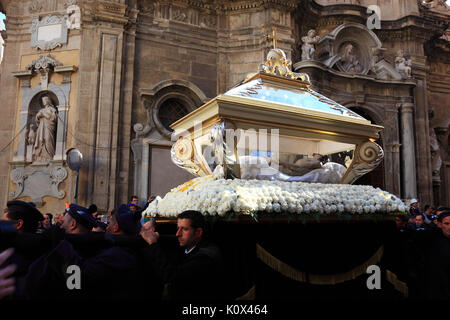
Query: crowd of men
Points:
[423, 244]
[120, 259]
[120, 256]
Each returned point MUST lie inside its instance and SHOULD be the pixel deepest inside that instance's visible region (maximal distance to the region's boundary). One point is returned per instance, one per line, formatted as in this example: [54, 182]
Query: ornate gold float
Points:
[276, 120]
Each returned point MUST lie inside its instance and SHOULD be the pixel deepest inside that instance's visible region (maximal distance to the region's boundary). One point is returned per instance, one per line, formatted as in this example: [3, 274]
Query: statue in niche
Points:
[436, 160]
[349, 60]
[308, 47]
[73, 22]
[46, 120]
[403, 65]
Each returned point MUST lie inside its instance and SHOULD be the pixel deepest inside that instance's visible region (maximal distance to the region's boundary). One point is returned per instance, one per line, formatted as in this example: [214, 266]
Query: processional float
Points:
[272, 151]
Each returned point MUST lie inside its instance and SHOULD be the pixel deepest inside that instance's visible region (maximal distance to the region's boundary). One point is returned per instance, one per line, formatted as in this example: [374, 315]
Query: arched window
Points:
[170, 111]
[170, 104]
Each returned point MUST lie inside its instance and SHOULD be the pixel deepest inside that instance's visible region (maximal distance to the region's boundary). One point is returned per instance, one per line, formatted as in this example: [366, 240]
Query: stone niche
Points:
[38, 165]
[352, 49]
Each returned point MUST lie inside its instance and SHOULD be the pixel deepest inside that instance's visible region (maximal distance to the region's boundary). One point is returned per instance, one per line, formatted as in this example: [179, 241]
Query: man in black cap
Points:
[198, 272]
[114, 273]
[26, 218]
[123, 221]
[78, 220]
[24, 214]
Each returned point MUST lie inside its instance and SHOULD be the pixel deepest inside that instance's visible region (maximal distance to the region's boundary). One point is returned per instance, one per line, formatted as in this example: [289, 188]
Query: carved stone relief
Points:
[44, 64]
[350, 48]
[68, 3]
[49, 33]
[203, 15]
[37, 182]
[350, 56]
[179, 15]
[35, 7]
[208, 21]
[435, 4]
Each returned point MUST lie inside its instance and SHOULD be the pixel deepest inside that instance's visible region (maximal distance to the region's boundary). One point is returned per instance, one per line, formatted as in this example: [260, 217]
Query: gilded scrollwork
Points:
[182, 155]
[225, 151]
[277, 64]
[368, 155]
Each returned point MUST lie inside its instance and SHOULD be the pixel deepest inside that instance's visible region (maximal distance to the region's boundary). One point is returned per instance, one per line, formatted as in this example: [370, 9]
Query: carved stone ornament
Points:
[68, 3]
[350, 48]
[179, 15]
[35, 7]
[43, 65]
[37, 182]
[49, 33]
[435, 4]
[45, 62]
[208, 21]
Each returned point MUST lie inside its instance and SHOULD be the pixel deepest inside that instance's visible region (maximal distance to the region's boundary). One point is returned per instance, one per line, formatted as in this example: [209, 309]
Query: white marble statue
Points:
[253, 167]
[308, 47]
[403, 65]
[46, 120]
[73, 22]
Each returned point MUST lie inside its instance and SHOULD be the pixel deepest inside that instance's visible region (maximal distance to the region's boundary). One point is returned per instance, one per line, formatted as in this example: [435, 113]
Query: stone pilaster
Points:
[408, 165]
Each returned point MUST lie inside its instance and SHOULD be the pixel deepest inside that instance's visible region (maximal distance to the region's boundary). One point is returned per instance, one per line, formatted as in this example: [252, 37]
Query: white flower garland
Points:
[213, 195]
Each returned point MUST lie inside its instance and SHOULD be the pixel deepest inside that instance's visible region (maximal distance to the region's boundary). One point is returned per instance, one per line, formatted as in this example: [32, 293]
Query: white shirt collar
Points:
[186, 251]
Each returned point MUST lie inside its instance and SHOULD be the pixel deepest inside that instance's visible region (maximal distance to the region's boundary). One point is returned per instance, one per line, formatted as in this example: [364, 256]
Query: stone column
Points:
[25, 77]
[408, 152]
[61, 133]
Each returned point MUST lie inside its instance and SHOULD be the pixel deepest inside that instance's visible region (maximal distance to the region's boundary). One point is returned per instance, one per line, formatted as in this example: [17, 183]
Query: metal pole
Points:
[75, 198]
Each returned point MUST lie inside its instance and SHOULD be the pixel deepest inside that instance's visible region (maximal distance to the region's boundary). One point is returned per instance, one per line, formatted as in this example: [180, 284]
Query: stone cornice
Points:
[224, 6]
[242, 5]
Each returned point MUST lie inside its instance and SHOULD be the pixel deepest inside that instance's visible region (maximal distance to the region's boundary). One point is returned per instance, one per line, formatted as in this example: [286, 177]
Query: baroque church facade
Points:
[109, 77]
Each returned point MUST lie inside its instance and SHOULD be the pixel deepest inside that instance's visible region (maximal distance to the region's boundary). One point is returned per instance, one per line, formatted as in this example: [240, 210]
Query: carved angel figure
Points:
[403, 65]
[73, 22]
[308, 47]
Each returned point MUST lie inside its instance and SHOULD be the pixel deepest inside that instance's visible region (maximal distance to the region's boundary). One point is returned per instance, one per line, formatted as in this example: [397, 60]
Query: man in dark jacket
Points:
[197, 274]
[431, 263]
[114, 273]
[25, 217]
